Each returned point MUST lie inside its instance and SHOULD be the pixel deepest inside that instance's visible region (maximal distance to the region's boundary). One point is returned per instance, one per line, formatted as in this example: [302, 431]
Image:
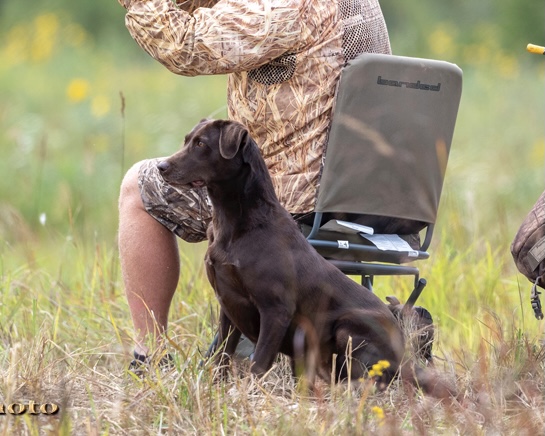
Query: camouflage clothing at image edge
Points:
[284, 59]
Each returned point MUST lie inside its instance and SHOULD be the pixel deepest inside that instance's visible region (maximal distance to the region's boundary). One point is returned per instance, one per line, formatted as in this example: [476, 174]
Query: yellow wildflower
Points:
[378, 368]
[77, 90]
[378, 412]
[441, 41]
[384, 364]
[46, 27]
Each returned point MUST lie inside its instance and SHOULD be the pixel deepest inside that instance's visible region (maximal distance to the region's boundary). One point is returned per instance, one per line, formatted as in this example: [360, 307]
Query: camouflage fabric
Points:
[185, 212]
[528, 246]
[283, 58]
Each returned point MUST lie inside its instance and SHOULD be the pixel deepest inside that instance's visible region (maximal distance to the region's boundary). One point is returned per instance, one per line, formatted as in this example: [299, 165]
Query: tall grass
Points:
[65, 331]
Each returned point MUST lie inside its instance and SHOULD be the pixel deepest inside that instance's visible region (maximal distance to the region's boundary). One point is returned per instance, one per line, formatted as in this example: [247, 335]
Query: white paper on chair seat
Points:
[346, 227]
[391, 243]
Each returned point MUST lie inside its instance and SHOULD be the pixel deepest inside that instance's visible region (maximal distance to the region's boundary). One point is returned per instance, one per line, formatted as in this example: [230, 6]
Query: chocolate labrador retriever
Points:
[272, 286]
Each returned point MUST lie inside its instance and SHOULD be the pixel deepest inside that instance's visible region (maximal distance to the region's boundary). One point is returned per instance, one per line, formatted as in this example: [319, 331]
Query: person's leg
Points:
[150, 263]
[152, 214]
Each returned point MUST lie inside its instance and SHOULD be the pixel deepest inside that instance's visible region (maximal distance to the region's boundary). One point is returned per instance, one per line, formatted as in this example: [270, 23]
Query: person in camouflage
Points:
[283, 59]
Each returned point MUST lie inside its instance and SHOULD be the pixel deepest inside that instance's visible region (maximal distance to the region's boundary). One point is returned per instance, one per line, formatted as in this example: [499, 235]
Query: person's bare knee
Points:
[129, 193]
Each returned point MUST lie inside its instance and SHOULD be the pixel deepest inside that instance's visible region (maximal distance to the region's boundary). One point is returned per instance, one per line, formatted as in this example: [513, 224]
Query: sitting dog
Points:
[272, 286]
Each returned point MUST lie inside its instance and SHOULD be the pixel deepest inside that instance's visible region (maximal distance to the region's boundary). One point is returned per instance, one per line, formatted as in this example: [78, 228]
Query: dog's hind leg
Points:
[362, 340]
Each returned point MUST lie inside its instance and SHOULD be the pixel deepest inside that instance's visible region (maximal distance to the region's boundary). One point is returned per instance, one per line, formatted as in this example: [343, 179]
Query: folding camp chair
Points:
[385, 164]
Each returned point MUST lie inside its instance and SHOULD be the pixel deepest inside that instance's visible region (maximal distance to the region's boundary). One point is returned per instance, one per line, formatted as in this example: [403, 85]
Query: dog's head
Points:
[214, 151]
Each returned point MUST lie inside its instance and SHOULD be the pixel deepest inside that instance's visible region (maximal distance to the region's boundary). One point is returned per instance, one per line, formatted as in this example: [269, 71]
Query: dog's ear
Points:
[233, 136]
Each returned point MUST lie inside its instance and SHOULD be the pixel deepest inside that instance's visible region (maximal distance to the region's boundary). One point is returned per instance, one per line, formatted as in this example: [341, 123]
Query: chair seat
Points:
[353, 247]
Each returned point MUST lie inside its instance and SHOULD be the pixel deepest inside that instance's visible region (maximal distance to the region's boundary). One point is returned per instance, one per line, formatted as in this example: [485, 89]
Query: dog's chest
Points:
[224, 270]
[233, 293]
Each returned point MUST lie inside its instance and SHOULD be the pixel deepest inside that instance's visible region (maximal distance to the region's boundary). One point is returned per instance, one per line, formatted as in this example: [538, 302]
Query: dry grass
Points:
[73, 350]
[502, 394]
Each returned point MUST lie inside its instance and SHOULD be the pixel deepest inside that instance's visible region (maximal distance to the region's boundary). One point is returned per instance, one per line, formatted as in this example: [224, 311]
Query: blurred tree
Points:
[97, 16]
[521, 22]
[512, 23]
[103, 20]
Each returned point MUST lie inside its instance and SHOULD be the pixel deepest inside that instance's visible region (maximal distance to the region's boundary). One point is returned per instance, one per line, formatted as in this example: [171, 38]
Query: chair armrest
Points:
[427, 239]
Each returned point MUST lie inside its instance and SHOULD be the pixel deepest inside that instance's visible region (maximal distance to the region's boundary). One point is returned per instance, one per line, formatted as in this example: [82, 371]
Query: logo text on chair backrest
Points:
[411, 85]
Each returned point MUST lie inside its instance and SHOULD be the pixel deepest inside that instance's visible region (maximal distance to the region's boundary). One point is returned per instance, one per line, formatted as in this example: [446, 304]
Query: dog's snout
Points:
[163, 166]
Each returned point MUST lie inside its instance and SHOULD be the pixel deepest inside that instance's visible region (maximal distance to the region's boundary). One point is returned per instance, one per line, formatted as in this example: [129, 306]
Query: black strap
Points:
[534, 299]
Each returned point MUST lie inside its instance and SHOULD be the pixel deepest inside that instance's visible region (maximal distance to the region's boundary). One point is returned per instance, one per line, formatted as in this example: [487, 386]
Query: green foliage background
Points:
[80, 103]
[513, 22]
[73, 161]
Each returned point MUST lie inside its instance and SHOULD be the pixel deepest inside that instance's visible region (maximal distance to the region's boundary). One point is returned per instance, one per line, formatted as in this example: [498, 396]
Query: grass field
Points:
[67, 135]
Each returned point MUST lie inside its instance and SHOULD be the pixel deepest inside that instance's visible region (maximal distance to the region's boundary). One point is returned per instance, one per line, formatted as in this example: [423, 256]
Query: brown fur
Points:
[272, 286]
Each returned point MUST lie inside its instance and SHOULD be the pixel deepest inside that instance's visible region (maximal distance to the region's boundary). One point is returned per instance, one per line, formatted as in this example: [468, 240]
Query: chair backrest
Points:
[390, 137]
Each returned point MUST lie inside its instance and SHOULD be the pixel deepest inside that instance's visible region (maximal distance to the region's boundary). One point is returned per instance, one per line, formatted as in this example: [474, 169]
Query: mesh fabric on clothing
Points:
[363, 30]
[277, 71]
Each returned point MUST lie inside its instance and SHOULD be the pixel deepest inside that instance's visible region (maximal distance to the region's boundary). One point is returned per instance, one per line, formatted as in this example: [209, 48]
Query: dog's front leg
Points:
[273, 325]
[228, 337]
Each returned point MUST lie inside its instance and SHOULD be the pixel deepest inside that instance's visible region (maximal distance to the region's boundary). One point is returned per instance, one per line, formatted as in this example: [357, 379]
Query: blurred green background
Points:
[80, 102]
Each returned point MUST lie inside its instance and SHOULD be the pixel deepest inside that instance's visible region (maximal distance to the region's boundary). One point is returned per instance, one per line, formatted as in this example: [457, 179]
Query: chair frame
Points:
[367, 270]
[372, 259]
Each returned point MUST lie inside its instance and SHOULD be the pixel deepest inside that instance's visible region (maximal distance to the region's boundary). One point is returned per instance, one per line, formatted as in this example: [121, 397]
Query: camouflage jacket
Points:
[283, 58]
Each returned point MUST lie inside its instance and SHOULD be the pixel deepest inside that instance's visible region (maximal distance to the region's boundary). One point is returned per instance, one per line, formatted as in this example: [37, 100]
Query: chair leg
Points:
[420, 285]
[367, 281]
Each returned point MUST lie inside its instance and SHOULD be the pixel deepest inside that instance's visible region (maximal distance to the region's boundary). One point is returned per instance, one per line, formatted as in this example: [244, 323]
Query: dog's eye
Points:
[201, 144]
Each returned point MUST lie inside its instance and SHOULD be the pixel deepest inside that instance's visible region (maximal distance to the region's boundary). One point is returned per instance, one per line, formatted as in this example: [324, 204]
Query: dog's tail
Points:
[306, 350]
[429, 380]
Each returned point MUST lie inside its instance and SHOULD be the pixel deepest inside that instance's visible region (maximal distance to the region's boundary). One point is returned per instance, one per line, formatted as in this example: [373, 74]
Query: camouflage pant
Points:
[185, 212]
